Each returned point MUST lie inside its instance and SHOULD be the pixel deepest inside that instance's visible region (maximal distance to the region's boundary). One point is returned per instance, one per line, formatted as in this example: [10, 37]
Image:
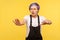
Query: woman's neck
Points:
[34, 16]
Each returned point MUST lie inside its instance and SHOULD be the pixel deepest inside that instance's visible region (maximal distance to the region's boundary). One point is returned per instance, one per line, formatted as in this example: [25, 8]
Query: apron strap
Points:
[31, 20]
[38, 20]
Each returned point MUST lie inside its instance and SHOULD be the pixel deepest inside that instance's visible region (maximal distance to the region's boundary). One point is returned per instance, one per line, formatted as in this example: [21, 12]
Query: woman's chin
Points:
[33, 15]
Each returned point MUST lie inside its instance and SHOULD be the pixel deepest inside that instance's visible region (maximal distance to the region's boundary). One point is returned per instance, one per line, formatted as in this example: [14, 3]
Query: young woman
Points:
[34, 22]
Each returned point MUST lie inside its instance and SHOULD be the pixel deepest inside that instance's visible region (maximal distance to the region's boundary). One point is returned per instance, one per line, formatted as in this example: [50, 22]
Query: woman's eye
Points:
[33, 9]
[30, 8]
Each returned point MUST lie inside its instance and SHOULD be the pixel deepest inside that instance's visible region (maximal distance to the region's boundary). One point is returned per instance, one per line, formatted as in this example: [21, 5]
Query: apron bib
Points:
[34, 33]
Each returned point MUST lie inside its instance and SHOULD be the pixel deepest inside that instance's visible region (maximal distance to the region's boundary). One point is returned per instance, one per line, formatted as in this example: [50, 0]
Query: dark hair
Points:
[38, 7]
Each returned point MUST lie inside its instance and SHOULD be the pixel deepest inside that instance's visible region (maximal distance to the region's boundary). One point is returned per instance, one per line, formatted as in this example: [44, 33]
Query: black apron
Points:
[34, 33]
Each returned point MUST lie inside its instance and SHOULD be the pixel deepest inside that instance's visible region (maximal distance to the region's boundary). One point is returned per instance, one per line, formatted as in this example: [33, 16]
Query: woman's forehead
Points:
[34, 6]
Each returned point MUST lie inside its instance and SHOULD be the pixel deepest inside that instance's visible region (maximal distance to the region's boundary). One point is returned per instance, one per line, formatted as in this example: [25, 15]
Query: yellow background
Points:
[11, 9]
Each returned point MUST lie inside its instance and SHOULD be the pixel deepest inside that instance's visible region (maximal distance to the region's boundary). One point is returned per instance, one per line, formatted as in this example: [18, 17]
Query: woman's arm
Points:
[46, 22]
[19, 23]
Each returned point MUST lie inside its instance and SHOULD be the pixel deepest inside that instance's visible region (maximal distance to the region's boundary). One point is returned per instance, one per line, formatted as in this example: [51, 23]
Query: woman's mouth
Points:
[32, 13]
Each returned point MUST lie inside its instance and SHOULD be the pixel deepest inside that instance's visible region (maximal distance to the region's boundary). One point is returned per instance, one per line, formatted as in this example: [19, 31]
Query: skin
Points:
[34, 12]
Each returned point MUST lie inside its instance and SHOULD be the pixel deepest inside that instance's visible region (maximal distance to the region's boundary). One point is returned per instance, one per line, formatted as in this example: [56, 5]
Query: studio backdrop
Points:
[12, 9]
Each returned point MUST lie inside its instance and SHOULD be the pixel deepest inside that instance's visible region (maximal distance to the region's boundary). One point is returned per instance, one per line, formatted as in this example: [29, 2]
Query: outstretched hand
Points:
[16, 21]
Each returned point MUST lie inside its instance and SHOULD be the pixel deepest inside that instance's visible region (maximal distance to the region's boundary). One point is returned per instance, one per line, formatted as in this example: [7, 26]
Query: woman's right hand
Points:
[17, 22]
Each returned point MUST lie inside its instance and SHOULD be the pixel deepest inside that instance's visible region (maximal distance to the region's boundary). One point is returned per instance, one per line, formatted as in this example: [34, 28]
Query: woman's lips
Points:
[32, 13]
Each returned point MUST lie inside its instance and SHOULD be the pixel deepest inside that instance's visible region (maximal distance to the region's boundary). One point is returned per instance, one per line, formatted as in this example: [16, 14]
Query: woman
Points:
[34, 22]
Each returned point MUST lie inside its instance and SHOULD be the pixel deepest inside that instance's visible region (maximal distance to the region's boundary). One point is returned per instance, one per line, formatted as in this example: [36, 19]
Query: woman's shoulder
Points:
[26, 16]
[42, 17]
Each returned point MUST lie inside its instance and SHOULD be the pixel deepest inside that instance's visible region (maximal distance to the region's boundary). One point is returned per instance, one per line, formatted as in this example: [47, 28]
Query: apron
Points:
[34, 33]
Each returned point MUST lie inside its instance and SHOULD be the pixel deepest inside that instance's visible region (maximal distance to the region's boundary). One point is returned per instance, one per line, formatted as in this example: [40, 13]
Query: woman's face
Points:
[34, 10]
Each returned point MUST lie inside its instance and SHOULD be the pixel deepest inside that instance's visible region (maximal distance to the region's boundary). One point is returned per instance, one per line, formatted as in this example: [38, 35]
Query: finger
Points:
[17, 20]
[14, 21]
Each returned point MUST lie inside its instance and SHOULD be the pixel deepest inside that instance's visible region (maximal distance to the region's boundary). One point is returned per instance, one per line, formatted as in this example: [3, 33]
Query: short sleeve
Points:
[42, 18]
[26, 18]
